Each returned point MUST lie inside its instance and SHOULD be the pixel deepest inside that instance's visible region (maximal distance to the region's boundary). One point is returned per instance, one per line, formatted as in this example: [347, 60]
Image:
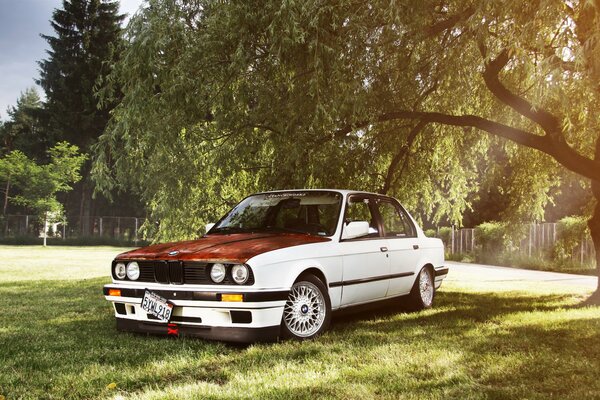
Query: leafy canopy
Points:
[225, 98]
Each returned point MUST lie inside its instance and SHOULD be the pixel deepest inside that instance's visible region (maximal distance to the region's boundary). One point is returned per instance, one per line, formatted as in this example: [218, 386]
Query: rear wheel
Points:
[307, 311]
[423, 291]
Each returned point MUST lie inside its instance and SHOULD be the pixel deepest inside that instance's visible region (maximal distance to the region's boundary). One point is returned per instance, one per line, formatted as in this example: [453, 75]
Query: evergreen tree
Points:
[26, 129]
[88, 35]
[87, 41]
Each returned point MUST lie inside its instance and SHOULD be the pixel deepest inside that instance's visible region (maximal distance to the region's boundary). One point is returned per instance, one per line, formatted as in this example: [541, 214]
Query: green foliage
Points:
[493, 237]
[38, 184]
[571, 232]
[445, 233]
[431, 233]
[25, 129]
[275, 95]
[222, 100]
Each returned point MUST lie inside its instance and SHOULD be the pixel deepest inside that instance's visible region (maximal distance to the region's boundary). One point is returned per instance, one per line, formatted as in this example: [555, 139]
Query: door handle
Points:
[383, 249]
[415, 246]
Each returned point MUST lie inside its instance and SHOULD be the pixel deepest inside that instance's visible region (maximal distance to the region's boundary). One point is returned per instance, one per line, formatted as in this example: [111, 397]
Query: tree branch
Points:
[547, 121]
[403, 153]
[558, 149]
[450, 22]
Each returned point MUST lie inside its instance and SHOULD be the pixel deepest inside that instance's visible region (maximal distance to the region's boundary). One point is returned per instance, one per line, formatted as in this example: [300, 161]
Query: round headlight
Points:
[133, 271]
[120, 270]
[217, 273]
[239, 273]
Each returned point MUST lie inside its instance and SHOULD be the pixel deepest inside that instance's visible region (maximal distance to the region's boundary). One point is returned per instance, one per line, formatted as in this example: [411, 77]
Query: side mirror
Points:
[355, 229]
[208, 227]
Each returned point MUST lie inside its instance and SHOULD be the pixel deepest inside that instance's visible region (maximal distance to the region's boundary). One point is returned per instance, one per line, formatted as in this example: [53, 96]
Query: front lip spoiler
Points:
[225, 334]
[250, 297]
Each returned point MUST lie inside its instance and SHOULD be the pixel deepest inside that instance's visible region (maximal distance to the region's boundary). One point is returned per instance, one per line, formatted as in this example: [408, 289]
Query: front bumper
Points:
[201, 313]
[440, 274]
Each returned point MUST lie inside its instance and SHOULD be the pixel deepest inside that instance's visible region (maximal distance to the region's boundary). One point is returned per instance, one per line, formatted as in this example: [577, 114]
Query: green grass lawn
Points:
[481, 341]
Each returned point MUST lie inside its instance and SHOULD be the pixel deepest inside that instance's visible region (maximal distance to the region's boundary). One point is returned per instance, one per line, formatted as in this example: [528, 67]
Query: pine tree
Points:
[26, 129]
[88, 38]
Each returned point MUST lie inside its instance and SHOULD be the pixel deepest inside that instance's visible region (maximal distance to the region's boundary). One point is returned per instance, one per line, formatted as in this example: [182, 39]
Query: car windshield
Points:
[308, 212]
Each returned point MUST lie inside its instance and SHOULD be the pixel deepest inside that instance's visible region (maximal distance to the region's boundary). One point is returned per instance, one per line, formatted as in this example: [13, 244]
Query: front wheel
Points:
[423, 291]
[307, 311]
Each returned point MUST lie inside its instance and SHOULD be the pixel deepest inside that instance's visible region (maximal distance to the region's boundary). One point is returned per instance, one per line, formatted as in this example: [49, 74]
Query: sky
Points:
[21, 23]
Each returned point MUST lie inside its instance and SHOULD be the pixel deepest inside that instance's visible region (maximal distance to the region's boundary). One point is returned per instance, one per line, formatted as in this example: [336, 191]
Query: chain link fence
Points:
[30, 226]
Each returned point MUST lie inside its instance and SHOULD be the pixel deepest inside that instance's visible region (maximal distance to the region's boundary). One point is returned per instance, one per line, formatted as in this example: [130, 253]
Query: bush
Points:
[491, 237]
[431, 233]
[445, 233]
[571, 231]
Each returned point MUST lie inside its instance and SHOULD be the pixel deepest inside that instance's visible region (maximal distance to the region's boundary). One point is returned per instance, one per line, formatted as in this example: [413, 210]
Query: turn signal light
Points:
[114, 292]
[232, 297]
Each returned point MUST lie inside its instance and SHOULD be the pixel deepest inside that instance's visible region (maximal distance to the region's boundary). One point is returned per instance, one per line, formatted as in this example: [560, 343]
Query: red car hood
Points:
[239, 247]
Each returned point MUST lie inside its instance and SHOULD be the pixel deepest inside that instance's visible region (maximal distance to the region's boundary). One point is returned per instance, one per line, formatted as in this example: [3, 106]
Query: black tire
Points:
[307, 311]
[420, 297]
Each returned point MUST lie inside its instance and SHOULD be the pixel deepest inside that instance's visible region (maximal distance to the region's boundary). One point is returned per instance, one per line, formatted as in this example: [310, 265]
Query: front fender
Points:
[282, 275]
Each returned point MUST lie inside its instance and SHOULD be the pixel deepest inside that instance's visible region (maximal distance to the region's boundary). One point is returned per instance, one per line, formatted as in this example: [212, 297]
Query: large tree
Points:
[387, 96]
[87, 41]
[210, 114]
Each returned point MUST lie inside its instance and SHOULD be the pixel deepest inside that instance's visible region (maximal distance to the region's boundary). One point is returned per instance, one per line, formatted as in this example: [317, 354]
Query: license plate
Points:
[156, 305]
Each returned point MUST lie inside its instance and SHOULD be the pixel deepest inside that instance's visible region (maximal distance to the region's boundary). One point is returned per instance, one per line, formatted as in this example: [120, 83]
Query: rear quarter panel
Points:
[432, 252]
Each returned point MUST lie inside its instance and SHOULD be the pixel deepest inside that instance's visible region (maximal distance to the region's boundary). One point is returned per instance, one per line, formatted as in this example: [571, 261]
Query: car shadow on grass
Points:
[448, 306]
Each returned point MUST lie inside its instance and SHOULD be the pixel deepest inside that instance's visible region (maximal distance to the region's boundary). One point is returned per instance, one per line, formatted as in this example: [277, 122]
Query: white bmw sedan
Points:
[277, 265]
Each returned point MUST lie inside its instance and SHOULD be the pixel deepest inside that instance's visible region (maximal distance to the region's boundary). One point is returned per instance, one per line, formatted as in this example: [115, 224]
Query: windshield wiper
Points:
[282, 229]
[228, 229]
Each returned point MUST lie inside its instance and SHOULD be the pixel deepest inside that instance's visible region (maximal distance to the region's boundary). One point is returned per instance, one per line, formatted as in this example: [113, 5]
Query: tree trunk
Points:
[6, 194]
[594, 223]
[45, 227]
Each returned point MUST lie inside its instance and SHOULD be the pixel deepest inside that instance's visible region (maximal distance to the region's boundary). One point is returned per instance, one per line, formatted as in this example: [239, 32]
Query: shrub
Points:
[571, 231]
[445, 234]
[431, 233]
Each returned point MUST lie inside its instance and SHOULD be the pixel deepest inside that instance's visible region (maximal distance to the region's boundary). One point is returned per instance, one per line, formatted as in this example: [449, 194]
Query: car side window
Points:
[395, 221]
[358, 209]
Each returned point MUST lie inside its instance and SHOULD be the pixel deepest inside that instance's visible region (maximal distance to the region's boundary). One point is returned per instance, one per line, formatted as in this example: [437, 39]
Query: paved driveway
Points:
[464, 272]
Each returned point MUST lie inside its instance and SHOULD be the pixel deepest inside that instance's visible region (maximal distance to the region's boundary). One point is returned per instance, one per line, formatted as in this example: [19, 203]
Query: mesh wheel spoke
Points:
[304, 310]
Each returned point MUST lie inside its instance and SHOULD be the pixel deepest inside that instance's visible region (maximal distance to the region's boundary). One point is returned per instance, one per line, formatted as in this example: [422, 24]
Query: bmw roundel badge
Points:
[174, 252]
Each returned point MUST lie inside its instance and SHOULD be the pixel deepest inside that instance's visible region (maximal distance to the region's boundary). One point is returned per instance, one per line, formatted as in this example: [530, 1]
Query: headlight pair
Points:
[239, 273]
[131, 271]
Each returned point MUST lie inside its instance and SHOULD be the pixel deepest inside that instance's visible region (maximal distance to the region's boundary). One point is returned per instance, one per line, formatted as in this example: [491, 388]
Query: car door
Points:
[366, 267]
[401, 235]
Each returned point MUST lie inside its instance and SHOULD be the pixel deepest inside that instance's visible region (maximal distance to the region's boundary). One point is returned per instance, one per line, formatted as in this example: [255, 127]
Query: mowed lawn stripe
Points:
[58, 340]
